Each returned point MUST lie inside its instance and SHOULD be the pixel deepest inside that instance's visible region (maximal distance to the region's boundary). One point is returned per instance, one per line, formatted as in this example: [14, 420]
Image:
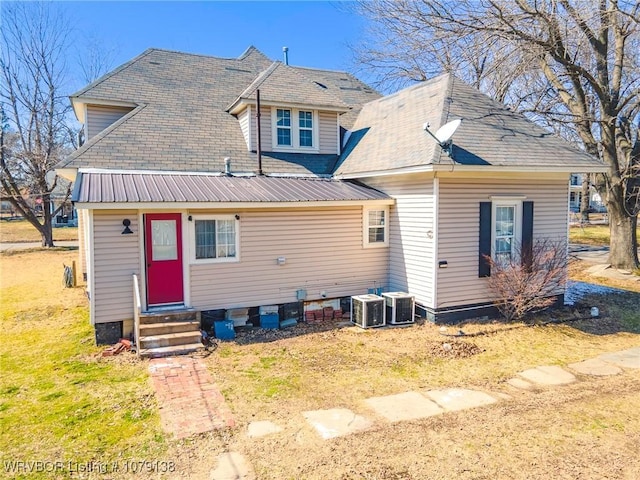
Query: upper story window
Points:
[575, 179]
[295, 129]
[306, 128]
[283, 122]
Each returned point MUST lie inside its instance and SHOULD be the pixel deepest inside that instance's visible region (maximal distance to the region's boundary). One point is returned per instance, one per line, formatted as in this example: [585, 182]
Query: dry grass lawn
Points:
[592, 234]
[19, 231]
[59, 401]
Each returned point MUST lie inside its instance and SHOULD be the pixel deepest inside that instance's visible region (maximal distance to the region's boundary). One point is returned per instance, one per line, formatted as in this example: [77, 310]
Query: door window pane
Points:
[164, 239]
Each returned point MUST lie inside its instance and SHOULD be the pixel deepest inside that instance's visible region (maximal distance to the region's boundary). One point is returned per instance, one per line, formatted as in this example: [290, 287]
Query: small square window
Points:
[376, 229]
[215, 239]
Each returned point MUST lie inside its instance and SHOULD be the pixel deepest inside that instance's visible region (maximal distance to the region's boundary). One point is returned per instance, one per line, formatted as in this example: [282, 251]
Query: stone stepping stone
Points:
[626, 358]
[336, 422]
[232, 466]
[262, 428]
[520, 383]
[548, 375]
[453, 399]
[404, 406]
[595, 366]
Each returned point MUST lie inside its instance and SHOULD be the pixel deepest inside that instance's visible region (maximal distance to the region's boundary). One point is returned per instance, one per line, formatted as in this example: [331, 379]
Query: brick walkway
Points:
[190, 403]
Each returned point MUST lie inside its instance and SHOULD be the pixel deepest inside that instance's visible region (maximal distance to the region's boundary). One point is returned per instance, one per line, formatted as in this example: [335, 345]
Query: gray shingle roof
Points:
[134, 187]
[389, 134]
[181, 122]
[286, 85]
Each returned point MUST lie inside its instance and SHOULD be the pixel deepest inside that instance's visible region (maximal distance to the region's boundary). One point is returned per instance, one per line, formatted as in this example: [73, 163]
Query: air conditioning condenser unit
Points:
[367, 310]
[399, 307]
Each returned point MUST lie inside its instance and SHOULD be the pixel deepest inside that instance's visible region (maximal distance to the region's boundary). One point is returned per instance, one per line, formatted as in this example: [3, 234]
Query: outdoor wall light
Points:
[126, 222]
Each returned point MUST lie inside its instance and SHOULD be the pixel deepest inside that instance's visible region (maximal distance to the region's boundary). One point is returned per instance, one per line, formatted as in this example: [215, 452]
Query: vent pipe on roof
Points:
[227, 166]
[285, 50]
[259, 132]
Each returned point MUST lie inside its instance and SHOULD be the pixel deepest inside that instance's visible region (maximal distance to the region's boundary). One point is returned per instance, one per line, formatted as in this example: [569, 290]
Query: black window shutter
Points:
[484, 267]
[527, 232]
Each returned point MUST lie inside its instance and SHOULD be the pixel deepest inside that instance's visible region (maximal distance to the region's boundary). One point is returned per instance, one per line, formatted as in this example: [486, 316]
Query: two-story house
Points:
[575, 195]
[209, 183]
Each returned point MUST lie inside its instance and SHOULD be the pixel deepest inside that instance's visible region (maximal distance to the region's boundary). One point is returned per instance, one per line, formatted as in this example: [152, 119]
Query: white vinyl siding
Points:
[265, 125]
[411, 234]
[323, 253]
[116, 258]
[243, 119]
[100, 117]
[82, 246]
[458, 228]
[328, 128]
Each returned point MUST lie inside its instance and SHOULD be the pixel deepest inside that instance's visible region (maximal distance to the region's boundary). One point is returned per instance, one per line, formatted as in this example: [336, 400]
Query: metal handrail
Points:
[137, 310]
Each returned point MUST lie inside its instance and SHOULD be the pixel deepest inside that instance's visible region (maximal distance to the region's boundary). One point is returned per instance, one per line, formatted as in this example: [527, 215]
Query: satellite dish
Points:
[445, 132]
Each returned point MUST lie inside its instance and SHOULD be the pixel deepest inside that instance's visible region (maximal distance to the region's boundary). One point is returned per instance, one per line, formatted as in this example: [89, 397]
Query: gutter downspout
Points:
[259, 136]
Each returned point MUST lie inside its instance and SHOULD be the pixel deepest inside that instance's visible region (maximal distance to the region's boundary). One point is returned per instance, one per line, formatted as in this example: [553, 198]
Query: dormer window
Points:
[295, 129]
[283, 121]
[306, 128]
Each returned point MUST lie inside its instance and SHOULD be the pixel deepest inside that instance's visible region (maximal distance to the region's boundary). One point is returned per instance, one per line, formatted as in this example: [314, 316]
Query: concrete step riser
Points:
[168, 317]
[169, 340]
[153, 329]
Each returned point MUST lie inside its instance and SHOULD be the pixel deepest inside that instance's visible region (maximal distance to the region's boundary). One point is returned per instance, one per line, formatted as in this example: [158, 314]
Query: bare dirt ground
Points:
[586, 430]
[566, 433]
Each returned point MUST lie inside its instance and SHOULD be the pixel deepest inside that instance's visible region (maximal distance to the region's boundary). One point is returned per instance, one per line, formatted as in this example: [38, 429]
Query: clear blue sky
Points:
[316, 32]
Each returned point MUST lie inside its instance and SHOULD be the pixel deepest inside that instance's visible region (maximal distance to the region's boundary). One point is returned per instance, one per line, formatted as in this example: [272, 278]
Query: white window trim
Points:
[365, 227]
[192, 240]
[517, 220]
[295, 131]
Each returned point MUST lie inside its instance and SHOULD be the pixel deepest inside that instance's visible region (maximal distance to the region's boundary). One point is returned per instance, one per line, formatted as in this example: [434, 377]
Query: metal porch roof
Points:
[139, 187]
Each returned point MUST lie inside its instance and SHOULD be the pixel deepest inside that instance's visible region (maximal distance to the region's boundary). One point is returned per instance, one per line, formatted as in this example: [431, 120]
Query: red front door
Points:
[163, 251]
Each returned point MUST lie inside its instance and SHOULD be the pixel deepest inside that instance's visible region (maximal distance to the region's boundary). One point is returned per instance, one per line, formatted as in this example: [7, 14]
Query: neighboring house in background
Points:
[354, 195]
[66, 216]
[575, 195]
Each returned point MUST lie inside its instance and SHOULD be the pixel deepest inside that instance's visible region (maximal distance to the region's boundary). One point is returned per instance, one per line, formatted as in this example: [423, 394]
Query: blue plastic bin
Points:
[224, 329]
[270, 320]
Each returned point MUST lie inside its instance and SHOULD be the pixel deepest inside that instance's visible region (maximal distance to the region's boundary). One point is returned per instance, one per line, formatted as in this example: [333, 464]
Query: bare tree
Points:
[35, 130]
[570, 65]
[530, 279]
[95, 59]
